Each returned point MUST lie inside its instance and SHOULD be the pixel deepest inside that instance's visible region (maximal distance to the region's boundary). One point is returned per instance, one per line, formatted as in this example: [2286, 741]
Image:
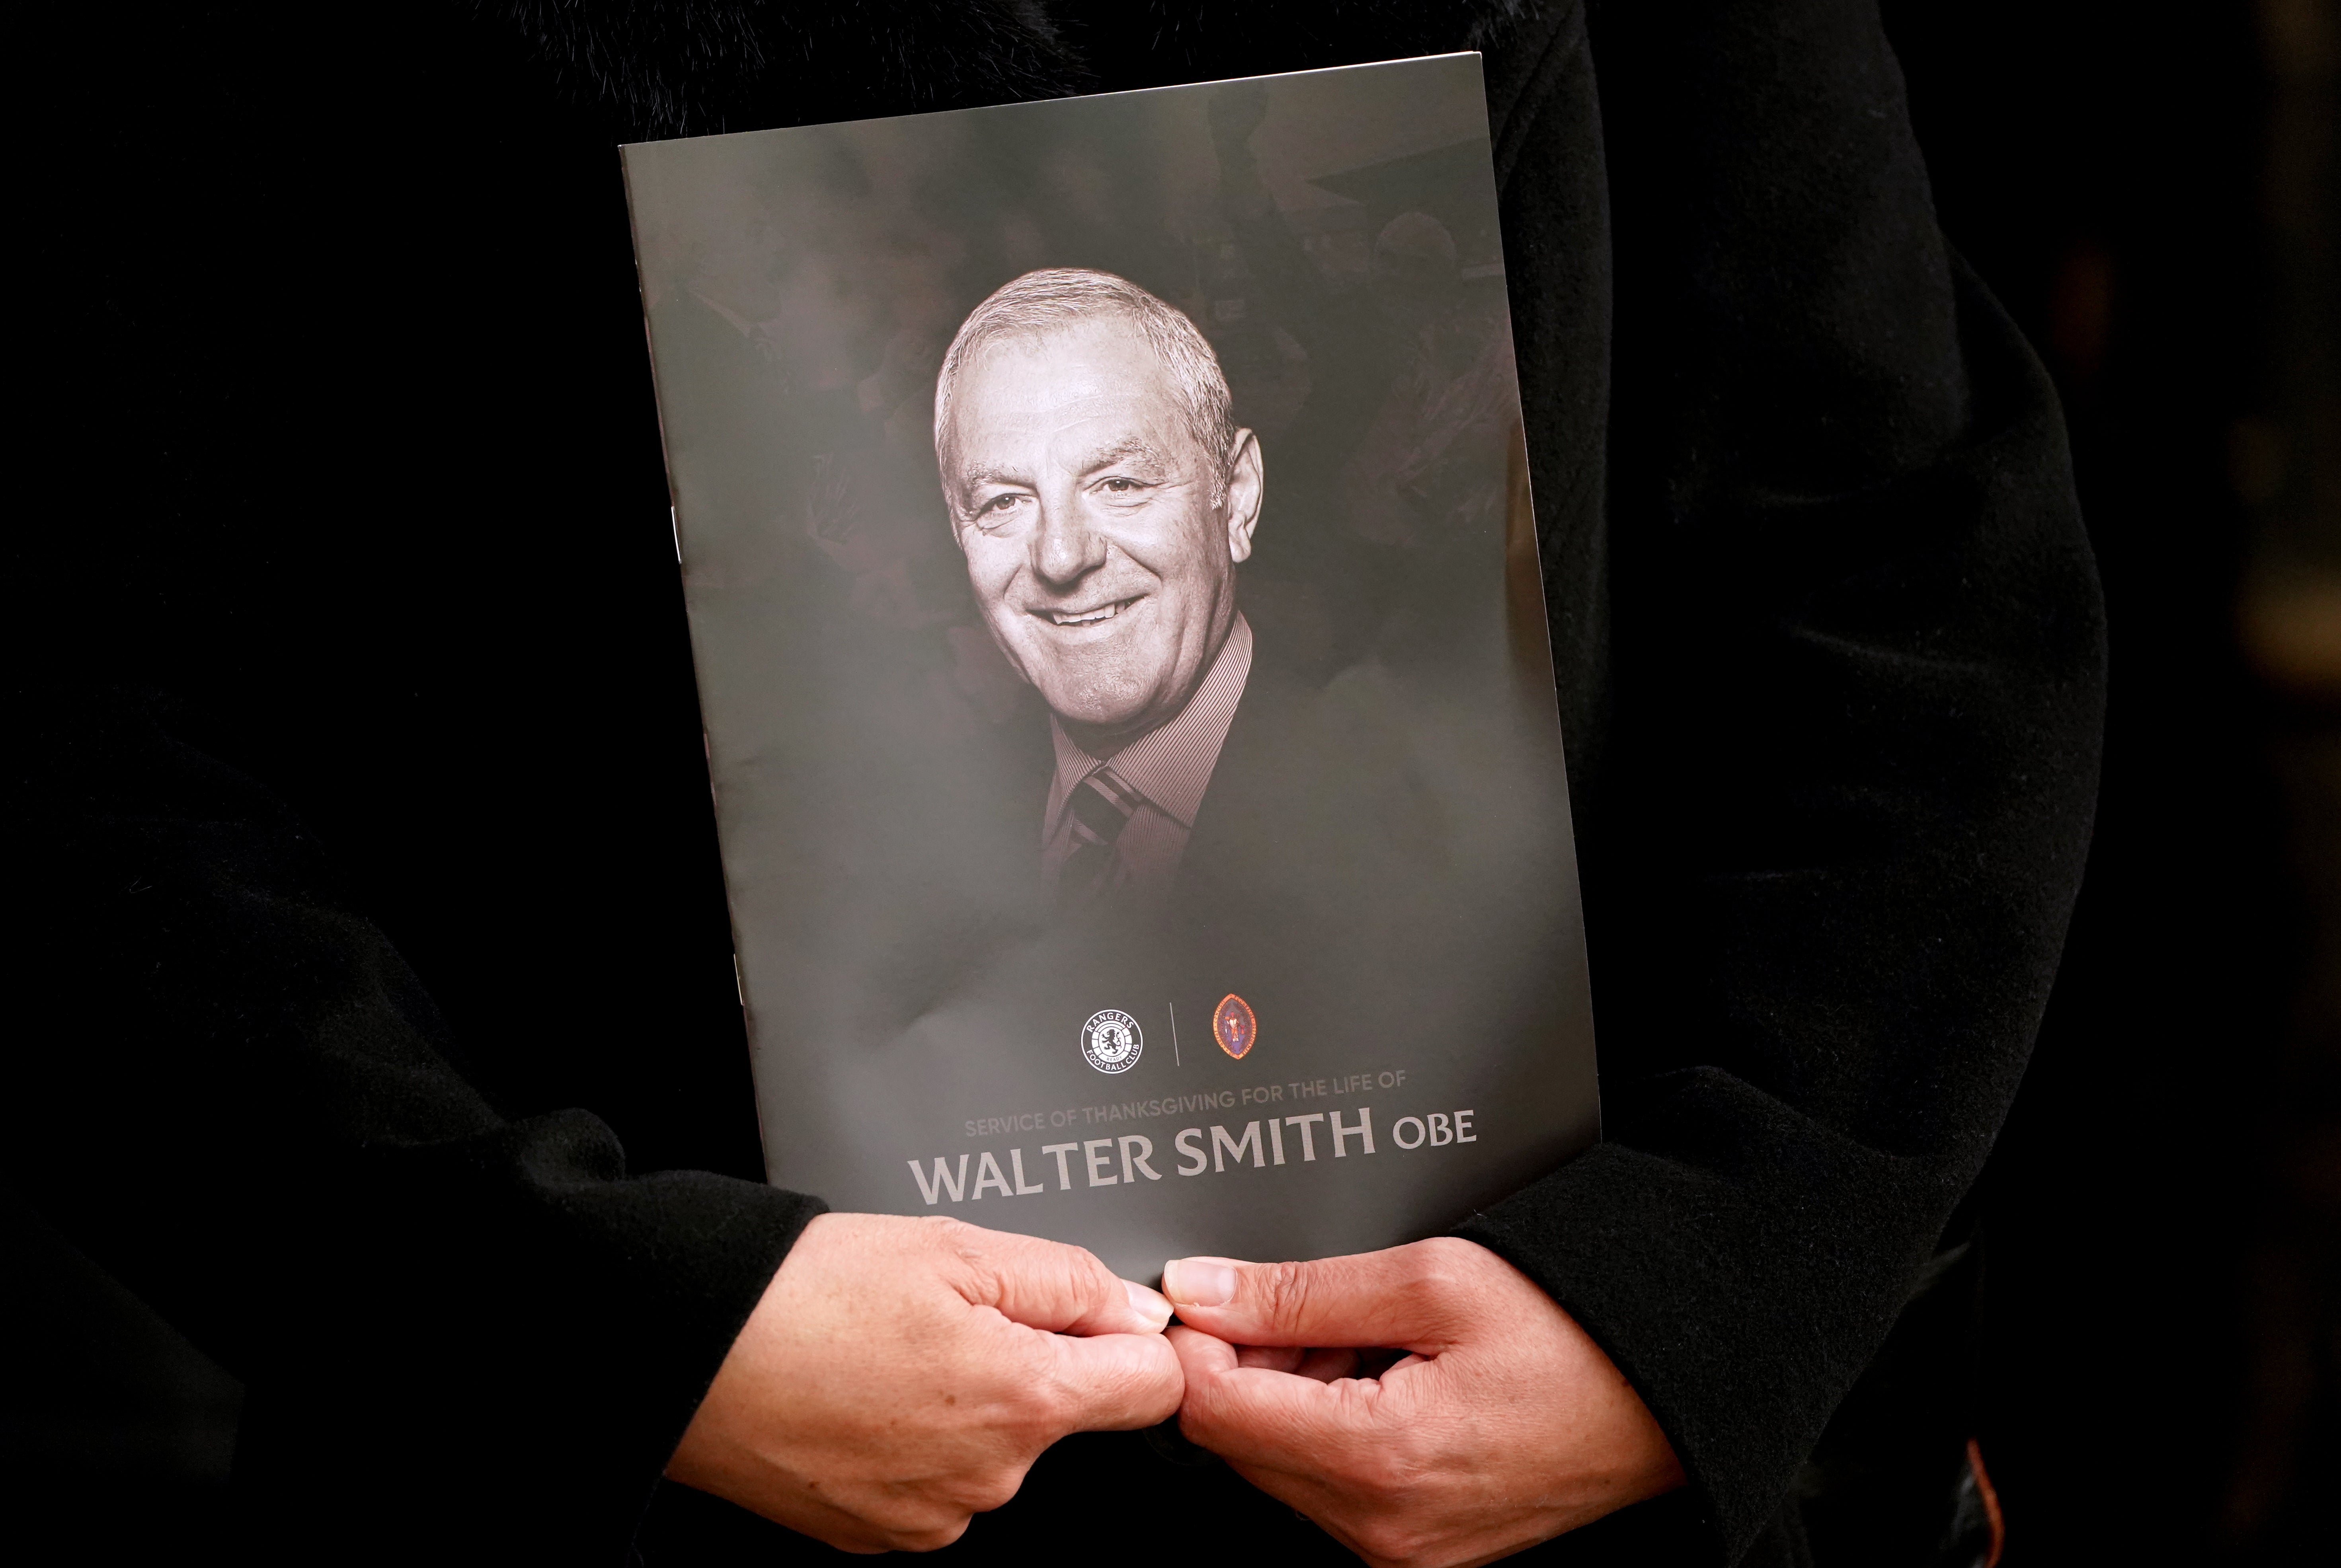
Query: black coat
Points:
[348, 453]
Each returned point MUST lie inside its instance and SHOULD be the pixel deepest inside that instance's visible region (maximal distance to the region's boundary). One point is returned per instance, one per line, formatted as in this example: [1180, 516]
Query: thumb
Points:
[1047, 1285]
[1117, 1382]
[1402, 1298]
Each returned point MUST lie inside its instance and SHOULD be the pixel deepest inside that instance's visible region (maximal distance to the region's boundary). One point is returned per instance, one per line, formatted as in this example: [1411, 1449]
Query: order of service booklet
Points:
[1114, 594]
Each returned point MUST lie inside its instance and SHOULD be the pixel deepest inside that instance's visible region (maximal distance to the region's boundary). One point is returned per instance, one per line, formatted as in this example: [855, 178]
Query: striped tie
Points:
[1101, 807]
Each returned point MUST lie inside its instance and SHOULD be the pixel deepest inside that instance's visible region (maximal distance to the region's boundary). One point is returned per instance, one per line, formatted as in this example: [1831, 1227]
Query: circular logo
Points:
[1110, 1042]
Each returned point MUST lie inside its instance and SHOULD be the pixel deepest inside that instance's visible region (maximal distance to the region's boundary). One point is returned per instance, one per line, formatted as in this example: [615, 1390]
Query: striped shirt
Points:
[1170, 766]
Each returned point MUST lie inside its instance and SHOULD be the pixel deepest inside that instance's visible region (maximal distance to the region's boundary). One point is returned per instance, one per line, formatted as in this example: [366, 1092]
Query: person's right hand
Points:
[901, 1375]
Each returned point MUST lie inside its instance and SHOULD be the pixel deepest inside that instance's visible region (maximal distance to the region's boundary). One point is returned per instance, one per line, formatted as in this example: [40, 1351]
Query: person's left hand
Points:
[1504, 1425]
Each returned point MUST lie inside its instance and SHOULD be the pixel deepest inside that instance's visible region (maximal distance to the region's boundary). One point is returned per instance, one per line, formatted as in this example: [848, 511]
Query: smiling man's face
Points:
[1101, 540]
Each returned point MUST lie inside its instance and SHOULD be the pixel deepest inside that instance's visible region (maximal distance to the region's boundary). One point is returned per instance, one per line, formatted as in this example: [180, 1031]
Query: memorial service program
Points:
[1115, 598]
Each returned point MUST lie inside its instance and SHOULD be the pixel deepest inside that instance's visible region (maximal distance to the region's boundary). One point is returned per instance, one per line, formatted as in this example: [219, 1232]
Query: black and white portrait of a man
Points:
[1104, 499]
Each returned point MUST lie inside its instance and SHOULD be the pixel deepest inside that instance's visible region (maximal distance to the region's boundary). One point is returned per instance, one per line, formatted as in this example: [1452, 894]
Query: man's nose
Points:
[1065, 548]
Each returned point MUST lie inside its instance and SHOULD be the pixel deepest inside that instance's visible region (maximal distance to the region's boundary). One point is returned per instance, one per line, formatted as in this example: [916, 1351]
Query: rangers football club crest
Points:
[1233, 1025]
[1111, 1041]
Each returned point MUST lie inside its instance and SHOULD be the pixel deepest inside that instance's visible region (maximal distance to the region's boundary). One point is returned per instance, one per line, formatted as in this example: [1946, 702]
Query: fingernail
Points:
[1149, 1304]
[1198, 1282]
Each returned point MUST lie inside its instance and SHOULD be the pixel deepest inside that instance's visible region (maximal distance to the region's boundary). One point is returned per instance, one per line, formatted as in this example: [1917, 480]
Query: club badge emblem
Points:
[1111, 1041]
[1233, 1025]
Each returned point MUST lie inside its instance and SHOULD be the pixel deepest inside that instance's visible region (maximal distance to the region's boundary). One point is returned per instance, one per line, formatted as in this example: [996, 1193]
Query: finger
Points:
[1406, 1296]
[1329, 1365]
[1117, 1382]
[1249, 1415]
[1201, 1355]
[1049, 1286]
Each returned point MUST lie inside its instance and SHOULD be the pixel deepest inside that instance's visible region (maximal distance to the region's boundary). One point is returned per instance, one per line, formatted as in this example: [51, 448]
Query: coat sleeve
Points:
[1844, 792]
[244, 1109]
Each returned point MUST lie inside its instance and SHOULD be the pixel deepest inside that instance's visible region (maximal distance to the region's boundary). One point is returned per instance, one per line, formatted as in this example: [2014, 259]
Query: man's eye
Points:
[998, 505]
[1121, 486]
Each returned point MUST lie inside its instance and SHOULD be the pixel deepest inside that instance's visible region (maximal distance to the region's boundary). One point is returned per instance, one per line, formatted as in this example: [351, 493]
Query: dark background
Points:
[2151, 189]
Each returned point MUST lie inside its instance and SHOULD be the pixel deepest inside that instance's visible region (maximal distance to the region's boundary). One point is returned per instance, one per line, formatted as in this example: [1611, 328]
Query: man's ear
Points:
[1247, 487]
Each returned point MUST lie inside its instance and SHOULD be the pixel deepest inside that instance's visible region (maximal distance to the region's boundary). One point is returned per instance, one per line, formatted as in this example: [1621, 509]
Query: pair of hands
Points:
[899, 1375]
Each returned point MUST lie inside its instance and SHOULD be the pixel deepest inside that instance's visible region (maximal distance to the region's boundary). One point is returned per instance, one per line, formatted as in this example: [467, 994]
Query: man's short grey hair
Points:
[1057, 298]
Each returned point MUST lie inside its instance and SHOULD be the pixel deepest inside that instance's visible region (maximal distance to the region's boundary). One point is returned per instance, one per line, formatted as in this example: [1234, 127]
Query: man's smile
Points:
[1093, 616]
